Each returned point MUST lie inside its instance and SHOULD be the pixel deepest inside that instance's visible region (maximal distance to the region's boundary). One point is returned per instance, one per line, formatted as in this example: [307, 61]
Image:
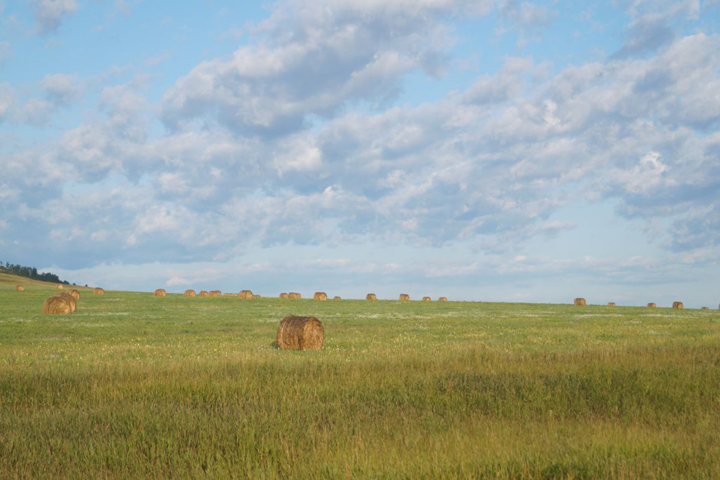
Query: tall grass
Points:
[138, 386]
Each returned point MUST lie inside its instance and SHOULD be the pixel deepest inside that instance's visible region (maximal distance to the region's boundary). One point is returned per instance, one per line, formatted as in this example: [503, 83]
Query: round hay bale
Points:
[160, 292]
[70, 299]
[580, 302]
[322, 296]
[203, 293]
[404, 296]
[704, 308]
[57, 305]
[283, 295]
[370, 296]
[442, 299]
[611, 304]
[189, 293]
[99, 291]
[337, 298]
[294, 295]
[677, 305]
[651, 305]
[427, 299]
[19, 288]
[59, 286]
[216, 293]
[245, 294]
[75, 294]
[300, 333]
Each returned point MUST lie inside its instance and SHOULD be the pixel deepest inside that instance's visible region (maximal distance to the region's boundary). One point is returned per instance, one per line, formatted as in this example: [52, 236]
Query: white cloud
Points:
[49, 13]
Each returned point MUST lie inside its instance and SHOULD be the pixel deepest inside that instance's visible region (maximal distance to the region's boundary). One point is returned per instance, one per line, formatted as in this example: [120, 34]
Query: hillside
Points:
[12, 280]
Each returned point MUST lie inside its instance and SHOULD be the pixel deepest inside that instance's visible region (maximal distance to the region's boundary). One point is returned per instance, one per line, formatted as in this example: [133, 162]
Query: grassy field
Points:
[137, 386]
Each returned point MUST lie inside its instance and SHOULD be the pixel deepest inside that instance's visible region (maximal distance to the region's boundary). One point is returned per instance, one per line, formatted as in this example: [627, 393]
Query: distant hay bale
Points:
[19, 288]
[677, 305]
[427, 299]
[442, 299]
[255, 295]
[203, 293]
[611, 304]
[215, 293]
[75, 294]
[294, 295]
[404, 296]
[59, 286]
[283, 295]
[580, 302]
[99, 291]
[58, 305]
[370, 296]
[160, 292]
[651, 305]
[300, 333]
[245, 294]
[337, 298]
[189, 293]
[704, 308]
[229, 294]
[322, 296]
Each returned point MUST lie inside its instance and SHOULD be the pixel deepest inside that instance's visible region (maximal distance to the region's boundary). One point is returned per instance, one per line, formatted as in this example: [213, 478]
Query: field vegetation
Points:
[133, 385]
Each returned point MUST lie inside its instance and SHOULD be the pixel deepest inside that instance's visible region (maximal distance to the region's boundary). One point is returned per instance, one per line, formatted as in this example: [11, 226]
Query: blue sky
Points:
[477, 149]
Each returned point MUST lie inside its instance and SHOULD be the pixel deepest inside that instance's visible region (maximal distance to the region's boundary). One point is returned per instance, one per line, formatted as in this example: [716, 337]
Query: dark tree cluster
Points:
[31, 272]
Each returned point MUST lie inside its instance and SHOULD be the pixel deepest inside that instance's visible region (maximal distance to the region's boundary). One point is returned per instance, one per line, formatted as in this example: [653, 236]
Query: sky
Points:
[483, 150]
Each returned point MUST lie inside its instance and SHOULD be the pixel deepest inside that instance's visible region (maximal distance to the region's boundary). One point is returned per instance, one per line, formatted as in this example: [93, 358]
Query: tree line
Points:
[31, 272]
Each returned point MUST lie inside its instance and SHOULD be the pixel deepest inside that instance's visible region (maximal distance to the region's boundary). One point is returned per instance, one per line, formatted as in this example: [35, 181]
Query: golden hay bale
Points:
[611, 304]
[580, 302]
[704, 308]
[283, 295]
[322, 296]
[677, 305]
[215, 293]
[75, 294]
[442, 299]
[404, 296]
[300, 333]
[59, 286]
[337, 298]
[245, 294]
[370, 296]
[189, 293]
[70, 299]
[203, 293]
[99, 291]
[294, 295]
[58, 305]
[160, 292]
[651, 305]
[19, 288]
[427, 299]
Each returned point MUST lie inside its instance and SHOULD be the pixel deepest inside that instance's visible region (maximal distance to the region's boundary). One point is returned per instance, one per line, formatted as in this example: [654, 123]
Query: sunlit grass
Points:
[133, 385]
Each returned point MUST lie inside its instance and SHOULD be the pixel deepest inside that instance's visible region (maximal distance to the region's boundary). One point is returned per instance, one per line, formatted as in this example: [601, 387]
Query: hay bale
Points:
[70, 299]
[19, 288]
[404, 296]
[442, 299]
[580, 302]
[370, 296]
[59, 286]
[160, 292]
[322, 296]
[189, 293]
[203, 293]
[255, 295]
[704, 308]
[611, 304]
[99, 291]
[294, 295]
[427, 299]
[58, 305]
[300, 333]
[337, 298]
[75, 294]
[677, 305]
[215, 293]
[229, 294]
[245, 294]
[651, 305]
[283, 295]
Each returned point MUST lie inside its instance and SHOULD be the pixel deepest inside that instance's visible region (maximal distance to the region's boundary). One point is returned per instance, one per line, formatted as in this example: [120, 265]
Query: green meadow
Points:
[137, 386]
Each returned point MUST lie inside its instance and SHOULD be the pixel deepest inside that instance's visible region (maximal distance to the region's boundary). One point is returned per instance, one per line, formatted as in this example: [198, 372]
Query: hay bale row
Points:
[580, 302]
[300, 333]
[321, 296]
